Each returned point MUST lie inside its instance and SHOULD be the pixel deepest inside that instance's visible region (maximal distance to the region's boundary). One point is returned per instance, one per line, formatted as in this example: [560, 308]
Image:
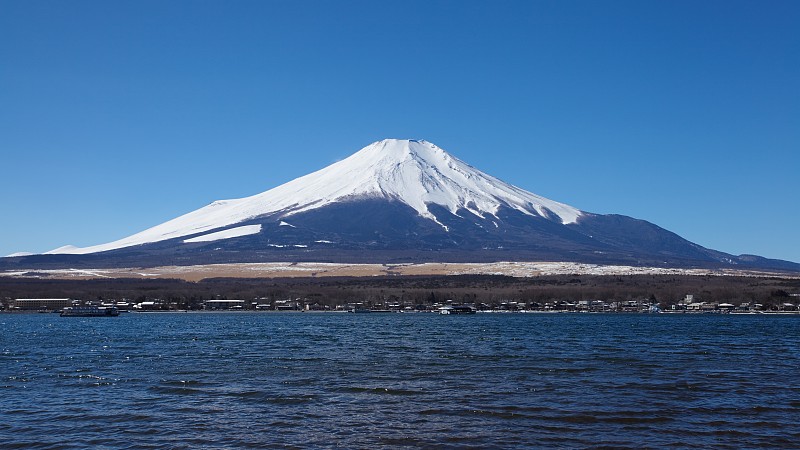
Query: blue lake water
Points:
[305, 380]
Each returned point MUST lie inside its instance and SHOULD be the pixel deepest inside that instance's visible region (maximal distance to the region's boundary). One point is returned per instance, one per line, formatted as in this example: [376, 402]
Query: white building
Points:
[34, 304]
[223, 304]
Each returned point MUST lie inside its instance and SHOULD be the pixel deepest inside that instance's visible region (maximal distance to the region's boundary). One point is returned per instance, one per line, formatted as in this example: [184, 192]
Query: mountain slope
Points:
[416, 173]
[398, 201]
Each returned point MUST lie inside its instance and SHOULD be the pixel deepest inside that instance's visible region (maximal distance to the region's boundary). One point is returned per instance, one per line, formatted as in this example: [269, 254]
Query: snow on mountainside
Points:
[416, 173]
[226, 234]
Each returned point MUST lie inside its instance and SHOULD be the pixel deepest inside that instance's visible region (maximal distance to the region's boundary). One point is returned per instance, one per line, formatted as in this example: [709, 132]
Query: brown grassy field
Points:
[319, 270]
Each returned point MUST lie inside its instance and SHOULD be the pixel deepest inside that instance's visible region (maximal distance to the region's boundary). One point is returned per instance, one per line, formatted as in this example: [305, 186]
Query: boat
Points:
[89, 311]
[457, 310]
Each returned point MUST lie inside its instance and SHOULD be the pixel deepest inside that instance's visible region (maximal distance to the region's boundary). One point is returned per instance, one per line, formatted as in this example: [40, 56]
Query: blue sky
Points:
[117, 116]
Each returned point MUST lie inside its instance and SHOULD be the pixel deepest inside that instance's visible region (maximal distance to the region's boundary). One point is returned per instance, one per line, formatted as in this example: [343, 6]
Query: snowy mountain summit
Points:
[414, 172]
[397, 201]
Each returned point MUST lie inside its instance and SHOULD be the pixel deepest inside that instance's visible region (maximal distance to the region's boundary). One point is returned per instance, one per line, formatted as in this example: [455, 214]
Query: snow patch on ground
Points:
[266, 270]
[61, 273]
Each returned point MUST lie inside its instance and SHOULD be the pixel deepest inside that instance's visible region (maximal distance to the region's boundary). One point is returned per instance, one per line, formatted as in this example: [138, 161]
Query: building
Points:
[287, 305]
[223, 304]
[38, 304]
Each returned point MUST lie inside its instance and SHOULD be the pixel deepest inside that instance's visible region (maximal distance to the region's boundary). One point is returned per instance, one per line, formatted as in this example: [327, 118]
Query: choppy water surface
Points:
[398, 380]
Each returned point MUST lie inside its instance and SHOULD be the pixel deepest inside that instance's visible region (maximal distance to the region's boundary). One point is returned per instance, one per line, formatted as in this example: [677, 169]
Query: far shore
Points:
[323, 270]
[250, 311]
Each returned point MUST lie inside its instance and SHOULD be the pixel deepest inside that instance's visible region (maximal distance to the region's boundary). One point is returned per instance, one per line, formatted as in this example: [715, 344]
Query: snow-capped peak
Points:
[413, 172]
[419, 173]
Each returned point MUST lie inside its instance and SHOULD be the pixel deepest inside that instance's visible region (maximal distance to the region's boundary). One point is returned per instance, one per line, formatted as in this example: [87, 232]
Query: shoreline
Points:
[384, 312]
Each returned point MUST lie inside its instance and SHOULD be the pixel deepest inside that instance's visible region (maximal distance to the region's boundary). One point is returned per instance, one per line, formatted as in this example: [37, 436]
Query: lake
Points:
[323, 380]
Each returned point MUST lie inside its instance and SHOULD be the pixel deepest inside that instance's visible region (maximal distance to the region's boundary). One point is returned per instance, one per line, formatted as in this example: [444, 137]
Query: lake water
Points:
[306, 380]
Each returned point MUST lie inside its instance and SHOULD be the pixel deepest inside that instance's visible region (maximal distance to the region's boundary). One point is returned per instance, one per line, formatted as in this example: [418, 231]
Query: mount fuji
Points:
[397, 201]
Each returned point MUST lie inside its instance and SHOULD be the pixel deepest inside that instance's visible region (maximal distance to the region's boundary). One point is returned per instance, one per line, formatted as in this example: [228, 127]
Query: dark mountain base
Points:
[377, 231]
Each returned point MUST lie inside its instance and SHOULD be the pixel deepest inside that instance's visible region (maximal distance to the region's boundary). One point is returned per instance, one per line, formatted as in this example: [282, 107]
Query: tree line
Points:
[418, 290]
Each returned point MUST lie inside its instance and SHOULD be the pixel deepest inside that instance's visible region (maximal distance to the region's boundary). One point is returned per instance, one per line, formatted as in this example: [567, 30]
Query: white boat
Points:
[89, 311]
[457, 310]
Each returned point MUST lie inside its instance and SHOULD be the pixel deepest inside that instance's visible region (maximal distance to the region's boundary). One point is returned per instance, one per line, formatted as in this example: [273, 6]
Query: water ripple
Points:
[399, 381]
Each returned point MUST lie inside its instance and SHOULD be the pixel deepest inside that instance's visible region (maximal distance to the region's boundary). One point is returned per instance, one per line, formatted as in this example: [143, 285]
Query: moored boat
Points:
[457, 310]
[89, 311]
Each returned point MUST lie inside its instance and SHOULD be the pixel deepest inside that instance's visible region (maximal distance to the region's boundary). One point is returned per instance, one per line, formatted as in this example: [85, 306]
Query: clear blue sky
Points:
[118, 115]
